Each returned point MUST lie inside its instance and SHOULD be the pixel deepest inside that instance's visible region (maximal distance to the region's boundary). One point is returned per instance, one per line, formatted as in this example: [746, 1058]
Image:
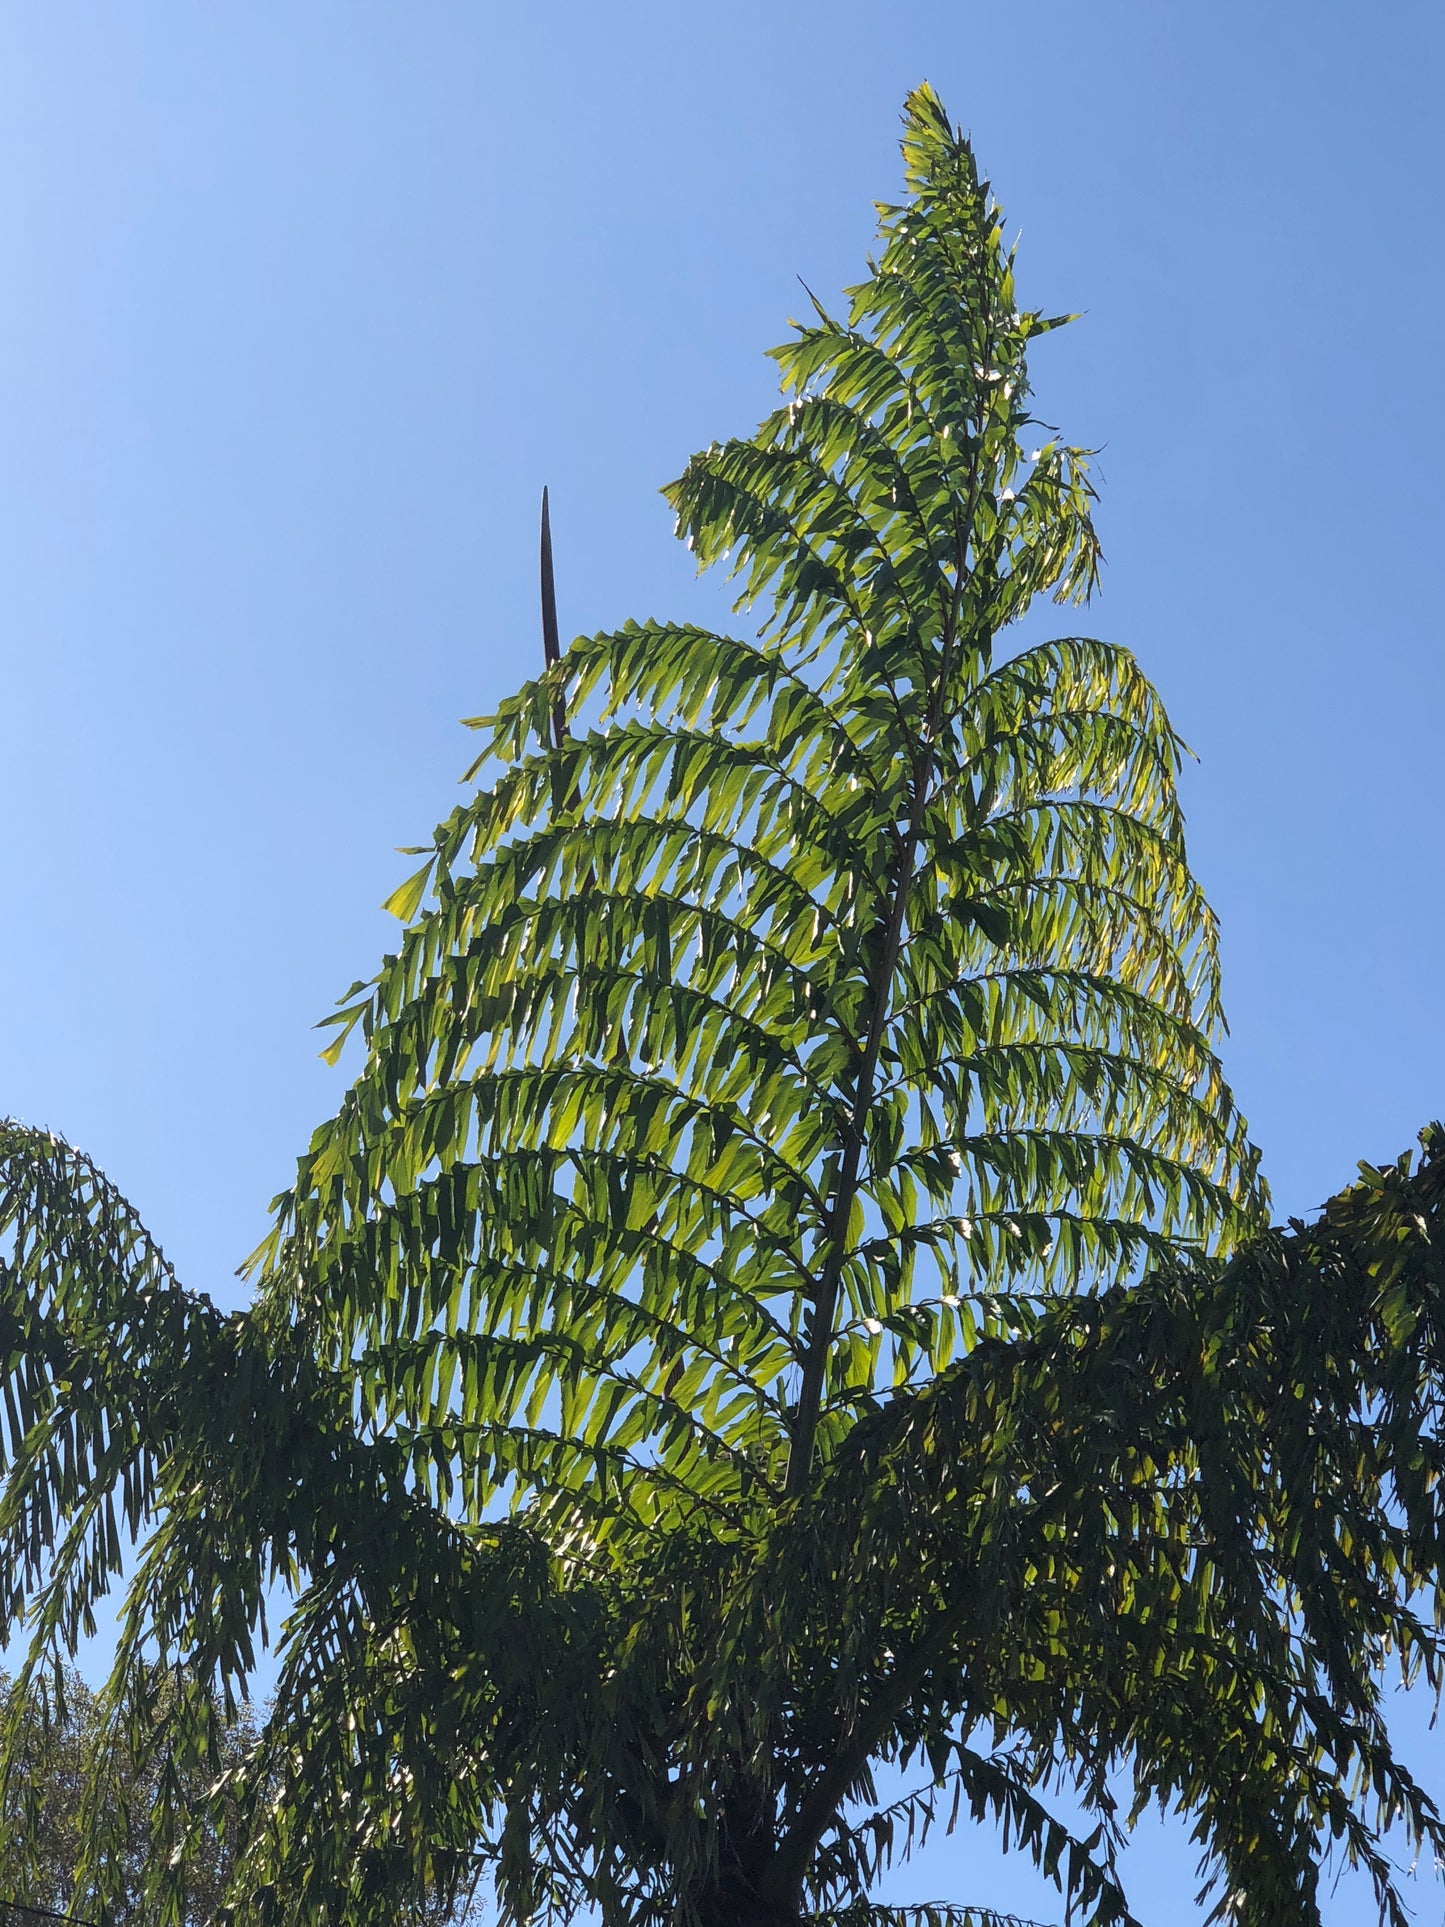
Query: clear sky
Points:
[301, 306]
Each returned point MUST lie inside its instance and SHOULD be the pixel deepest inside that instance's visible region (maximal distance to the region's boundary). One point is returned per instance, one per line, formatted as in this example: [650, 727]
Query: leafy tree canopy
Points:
[67, 1760]
[754, 1314]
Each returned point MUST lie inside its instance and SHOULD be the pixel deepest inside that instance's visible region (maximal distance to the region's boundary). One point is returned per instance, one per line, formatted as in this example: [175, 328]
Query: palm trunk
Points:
[741, 1893]
[732, 1901]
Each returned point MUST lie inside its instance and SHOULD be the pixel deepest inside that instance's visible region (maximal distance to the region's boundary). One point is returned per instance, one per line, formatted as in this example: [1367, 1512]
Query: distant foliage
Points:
[65, 1759]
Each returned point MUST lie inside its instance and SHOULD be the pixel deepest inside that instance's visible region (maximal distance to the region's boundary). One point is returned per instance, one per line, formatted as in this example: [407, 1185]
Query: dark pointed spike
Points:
[551, 641]
[551, 644]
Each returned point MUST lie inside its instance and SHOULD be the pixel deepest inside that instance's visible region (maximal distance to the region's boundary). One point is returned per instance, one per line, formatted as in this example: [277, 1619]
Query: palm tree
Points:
[667, 1393]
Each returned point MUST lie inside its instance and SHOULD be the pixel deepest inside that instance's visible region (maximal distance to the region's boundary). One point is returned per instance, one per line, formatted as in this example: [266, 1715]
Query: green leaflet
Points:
[405, 900]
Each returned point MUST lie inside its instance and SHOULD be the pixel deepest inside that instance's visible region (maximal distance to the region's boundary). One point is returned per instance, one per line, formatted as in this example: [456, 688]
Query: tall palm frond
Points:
[810, 988]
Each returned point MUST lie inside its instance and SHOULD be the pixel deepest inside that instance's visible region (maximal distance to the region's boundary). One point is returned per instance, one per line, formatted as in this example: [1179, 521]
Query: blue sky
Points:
[302, 305]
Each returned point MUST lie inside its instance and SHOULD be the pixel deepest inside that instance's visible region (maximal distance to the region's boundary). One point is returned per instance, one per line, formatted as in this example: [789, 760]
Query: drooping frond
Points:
[134, 1410]
[1180, 1532]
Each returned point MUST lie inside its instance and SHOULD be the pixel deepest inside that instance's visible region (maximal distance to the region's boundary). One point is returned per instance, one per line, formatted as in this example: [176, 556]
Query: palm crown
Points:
[778, 1021]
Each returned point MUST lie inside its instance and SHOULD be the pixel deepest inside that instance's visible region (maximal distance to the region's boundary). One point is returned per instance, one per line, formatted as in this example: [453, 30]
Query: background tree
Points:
[664, 1395]
[62, 1749]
